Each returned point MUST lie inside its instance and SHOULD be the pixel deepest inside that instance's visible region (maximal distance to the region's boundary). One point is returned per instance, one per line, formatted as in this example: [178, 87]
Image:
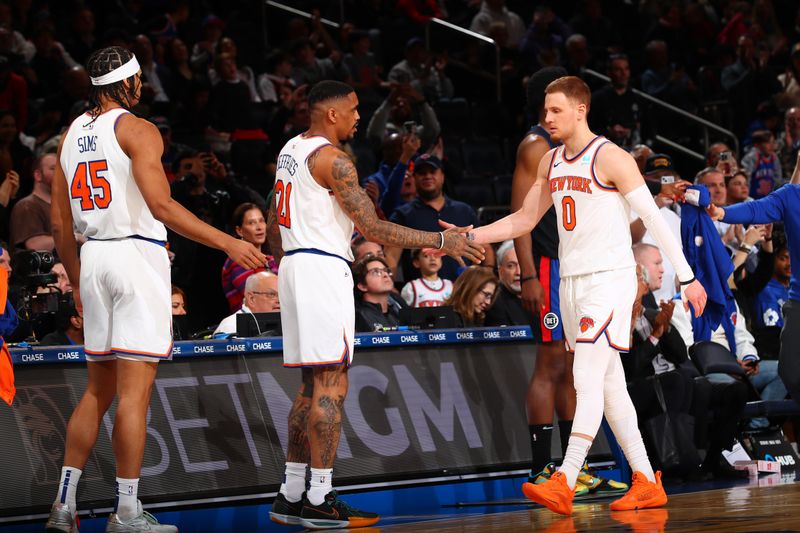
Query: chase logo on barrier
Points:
[56, 354]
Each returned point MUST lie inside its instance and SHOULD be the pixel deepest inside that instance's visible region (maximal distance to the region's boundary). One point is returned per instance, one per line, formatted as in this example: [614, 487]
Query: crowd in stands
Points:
[226, 84]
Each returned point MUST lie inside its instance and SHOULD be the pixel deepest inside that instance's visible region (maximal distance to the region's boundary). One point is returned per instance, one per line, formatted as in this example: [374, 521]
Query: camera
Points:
[667, 179]
[724, 157]
[33, 268]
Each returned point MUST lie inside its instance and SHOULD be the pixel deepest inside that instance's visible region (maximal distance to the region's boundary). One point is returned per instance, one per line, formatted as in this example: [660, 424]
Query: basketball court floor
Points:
[768, 503]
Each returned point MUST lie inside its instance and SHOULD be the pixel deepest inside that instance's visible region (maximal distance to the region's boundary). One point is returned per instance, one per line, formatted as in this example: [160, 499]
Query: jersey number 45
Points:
[90, 187]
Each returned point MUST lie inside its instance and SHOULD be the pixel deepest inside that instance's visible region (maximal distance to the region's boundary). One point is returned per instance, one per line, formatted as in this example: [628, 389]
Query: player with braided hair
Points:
[110, 185]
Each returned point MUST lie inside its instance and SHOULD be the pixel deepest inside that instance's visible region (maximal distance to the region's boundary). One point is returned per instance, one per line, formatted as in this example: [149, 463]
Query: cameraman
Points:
[68, 322]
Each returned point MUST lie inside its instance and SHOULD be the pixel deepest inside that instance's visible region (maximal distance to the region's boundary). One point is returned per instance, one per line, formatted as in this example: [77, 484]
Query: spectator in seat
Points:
[376, 307]
[768, 306]
[737, 188]
[493, 11]
[404, 104]
[177, 60]
[429, 290]
[178, 301]
[364, 71]
[69, 326]
[308, 69]
[155, 77]
[362, 247]
[789, 140]
[13, 154]
[13, 93]
[250, 224]
[507, 309]
[425, 212]
[279, 70]
[260, 296]
[657, 350]
[474, 293]
[230, 97]
[616, 110]
[426, 76]
[762, 165]
[385, 185]
[244, 73]
[713, 155]
[30, 218]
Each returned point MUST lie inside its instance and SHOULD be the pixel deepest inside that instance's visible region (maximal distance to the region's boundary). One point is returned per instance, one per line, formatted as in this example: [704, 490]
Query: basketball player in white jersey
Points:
[593, 184]
[111, 186]
[317, 201]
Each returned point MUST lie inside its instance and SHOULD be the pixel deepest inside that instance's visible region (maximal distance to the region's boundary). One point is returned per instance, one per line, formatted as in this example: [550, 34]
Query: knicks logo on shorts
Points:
[550, 320]
[585, 324]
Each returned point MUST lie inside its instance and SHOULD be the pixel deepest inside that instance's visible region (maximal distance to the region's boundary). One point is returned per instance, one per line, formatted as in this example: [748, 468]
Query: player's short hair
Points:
[328, 90]
[573, 88]
[537, 83]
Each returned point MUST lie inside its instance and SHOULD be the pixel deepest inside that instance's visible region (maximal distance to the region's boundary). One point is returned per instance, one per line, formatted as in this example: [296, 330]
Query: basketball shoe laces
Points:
[641, 488]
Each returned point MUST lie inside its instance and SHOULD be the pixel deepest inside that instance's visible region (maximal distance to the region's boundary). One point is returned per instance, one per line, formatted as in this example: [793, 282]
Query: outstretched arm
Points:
[335, 169]
[536, 203]
[274, 232]
[615, 166]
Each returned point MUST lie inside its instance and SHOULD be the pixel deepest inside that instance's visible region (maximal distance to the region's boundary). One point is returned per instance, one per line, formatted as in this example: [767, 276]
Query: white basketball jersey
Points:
[419, 293]
[105, 200]
[309, 216]
[593, 225]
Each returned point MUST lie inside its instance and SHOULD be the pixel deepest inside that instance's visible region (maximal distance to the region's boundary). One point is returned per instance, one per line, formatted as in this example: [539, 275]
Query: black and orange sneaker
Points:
[333, 513]
[285, 512]
[644, 494]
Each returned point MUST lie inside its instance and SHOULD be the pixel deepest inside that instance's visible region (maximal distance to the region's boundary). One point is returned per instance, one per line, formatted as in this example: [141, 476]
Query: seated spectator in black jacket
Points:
[376, 307]
[69, 326]
[473, 293]
[507, 309]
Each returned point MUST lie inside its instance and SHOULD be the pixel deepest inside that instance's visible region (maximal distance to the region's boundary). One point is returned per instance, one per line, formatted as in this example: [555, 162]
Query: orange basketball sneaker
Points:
[553, 494]
[643, 494]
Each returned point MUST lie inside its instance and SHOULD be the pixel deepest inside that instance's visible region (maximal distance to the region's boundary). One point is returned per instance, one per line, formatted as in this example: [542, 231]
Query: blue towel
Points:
[712, 265]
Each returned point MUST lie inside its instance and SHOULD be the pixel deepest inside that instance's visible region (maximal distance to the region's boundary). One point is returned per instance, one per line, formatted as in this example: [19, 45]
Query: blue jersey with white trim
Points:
[593, 226]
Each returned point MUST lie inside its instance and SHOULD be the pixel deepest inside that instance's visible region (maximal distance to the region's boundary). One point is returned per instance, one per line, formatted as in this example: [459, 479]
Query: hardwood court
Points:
[737, 509]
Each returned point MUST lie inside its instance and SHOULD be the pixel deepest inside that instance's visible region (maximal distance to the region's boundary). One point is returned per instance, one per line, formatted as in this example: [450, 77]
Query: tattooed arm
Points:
[274, 232]
[335, 169]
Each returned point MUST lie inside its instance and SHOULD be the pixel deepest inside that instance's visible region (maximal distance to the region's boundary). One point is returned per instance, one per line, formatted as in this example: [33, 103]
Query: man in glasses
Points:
[376, 307]
[260, 296]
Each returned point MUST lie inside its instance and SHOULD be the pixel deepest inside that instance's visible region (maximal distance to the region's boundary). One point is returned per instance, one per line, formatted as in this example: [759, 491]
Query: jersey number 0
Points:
[86, 180]
[284, 211]
[568, 213]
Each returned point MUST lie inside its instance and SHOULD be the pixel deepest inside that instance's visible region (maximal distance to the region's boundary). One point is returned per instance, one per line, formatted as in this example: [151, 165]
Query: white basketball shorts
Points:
[127, 310]
[317, 310]
[597, 308]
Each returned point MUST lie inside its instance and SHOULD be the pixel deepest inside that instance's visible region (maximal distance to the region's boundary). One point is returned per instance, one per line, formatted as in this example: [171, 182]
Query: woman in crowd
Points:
[473, 293]
[249, 222]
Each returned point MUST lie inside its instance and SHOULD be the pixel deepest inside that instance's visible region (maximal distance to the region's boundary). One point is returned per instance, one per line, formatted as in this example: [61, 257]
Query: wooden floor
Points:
[745, 508]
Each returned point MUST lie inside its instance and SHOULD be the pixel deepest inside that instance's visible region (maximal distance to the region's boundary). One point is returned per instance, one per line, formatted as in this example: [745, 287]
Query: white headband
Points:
[120, 73]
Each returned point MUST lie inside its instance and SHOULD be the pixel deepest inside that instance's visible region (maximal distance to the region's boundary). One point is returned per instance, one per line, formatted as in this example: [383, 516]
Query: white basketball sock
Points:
[321, 485]
[573, 460]
[127, 498]
[294, 481]
[68, 486]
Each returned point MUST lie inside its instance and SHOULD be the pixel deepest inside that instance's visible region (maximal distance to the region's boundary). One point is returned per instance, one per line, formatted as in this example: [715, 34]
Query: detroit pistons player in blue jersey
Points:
[317, 202]
[111, 187]
[593, 184]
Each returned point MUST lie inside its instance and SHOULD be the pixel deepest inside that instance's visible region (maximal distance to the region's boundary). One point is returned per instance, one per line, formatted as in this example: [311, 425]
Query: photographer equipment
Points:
[32, 272]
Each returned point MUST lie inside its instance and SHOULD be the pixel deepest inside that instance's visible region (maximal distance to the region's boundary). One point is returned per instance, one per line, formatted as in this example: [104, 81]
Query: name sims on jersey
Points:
[287, 162]
[572, 183]
[87, 143]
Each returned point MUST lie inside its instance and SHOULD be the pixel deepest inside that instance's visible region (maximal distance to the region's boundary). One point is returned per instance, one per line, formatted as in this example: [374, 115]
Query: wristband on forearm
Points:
[527, 278]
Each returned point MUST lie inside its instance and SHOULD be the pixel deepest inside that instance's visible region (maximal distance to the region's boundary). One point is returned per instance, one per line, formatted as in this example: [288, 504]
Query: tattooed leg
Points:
[298, 420]
[325, 415]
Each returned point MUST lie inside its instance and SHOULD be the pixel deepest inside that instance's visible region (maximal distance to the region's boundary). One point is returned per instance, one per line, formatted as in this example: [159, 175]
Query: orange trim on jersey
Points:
[569, 161]
[143, 354]
[594, 176]
[550, 167]
[90, 352]
[599, 332]
[345, 358]
[617, 348]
